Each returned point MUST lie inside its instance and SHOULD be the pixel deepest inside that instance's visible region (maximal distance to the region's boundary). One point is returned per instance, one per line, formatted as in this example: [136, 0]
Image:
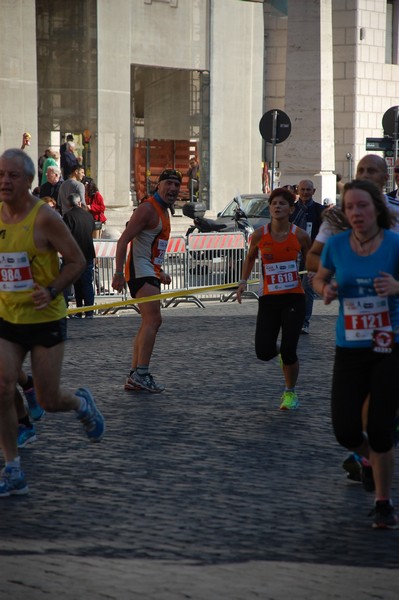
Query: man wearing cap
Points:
[148, 231]
[70, 162]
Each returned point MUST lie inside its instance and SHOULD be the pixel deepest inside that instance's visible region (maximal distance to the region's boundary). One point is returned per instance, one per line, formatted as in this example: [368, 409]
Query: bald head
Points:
[305, 190]
[373, 168]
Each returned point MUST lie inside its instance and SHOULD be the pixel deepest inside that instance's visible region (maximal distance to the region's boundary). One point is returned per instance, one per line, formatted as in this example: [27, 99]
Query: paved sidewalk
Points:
[205, 492]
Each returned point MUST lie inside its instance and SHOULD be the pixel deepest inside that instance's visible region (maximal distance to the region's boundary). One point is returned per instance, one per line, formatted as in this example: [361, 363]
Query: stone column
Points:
[309, 100]
[18, 76]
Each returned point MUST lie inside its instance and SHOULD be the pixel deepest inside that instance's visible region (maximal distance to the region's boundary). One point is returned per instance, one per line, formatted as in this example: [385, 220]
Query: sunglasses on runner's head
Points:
[170, 174]
[396, 170]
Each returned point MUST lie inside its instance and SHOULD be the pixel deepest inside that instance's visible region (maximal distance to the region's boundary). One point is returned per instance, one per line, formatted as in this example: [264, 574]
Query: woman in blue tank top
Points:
[365, 264]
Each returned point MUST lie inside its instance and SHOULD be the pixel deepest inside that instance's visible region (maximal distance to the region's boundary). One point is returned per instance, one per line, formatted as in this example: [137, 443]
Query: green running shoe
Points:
[289, 401]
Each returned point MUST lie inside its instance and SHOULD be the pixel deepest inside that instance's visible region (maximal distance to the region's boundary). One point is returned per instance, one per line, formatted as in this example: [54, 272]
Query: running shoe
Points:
[26, 435]
[12, 482]
[305, 330]
[35, 410]
[367, 476]
[92, 420]
[353, 466]
[384, 515]
[147, 382]
[289, 401]
[131, 385]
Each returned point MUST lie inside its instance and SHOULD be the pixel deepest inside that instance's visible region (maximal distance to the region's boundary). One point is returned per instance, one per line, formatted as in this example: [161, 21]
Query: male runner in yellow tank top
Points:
[33, 310]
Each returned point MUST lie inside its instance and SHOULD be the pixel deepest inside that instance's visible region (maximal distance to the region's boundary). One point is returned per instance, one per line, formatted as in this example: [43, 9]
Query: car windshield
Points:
[254, 206]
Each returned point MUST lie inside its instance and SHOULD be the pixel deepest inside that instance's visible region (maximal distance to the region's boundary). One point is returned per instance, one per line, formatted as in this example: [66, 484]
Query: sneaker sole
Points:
[95, 440]
[133, 388]
[33, 438]
[384, 526]
[21, 492]
[351, 479]
[147, 389]
[353, 471]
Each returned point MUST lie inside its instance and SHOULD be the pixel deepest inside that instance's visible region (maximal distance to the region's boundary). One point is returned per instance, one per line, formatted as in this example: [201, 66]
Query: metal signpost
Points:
[385, 144]
[390, 123]
[274, 127]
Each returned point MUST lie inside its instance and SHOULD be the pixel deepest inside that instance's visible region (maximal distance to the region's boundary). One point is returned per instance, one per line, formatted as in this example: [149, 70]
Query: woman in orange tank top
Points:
[281, 297]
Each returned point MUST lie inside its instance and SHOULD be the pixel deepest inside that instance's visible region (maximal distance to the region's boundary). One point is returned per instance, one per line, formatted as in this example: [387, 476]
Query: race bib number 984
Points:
[15, 272]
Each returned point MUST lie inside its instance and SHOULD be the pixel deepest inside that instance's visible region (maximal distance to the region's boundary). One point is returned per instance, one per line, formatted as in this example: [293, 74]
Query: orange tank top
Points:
[279, 263]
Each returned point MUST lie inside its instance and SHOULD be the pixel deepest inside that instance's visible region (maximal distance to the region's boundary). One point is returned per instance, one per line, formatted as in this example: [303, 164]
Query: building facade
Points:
[333, 67]
[145, 84]
[118, 72]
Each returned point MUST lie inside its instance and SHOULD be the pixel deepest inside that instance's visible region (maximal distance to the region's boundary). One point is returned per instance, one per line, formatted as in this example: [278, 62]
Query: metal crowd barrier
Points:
[105, 268]
[206, 259]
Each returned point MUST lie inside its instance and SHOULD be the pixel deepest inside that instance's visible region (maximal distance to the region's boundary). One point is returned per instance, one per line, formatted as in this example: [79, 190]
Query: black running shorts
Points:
[36, 334]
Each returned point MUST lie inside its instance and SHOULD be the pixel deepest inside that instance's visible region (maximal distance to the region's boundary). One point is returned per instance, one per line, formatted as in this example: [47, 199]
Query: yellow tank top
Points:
[22, 265]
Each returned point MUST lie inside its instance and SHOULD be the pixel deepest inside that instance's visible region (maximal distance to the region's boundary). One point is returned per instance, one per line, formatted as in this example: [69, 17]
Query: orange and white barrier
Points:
[176, 245]
[216, 241]
[105, 248]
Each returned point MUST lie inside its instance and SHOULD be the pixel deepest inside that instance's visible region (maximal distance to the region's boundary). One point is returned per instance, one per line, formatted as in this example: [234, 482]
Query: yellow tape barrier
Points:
[176, 294]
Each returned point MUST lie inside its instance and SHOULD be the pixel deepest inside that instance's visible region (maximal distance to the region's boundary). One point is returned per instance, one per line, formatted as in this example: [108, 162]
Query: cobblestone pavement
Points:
[205, 492]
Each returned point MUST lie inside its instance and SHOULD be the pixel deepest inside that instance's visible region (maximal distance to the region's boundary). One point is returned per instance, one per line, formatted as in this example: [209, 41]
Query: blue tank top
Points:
[361, 311]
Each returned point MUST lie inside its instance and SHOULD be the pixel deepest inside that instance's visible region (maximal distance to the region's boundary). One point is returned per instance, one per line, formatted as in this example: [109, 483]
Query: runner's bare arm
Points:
[249, 262]
[323, 286]
[313, 256]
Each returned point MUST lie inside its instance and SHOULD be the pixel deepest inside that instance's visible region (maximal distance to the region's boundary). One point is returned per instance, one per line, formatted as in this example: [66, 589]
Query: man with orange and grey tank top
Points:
[33, 310]
[147, 233]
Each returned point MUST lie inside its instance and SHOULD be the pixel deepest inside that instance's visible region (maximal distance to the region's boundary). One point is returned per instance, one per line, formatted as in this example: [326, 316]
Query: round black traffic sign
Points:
[389, 122]
[283, 126]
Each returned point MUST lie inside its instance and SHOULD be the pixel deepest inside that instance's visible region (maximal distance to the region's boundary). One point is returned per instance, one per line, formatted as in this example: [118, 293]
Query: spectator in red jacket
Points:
[96, 206]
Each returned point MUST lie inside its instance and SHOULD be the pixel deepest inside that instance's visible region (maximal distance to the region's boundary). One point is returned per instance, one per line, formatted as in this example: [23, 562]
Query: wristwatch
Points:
[53, 292]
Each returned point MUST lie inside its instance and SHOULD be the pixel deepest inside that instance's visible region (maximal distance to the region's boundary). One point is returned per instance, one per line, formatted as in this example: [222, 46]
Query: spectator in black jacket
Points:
[81, 224]
[307, 215]
[69, 161]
